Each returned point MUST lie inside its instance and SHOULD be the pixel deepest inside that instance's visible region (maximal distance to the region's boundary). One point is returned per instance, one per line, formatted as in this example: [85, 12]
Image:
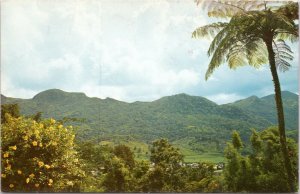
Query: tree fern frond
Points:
[291, 36]
[282, 53]
[237, 60]
[257, 54]
[216, 41]
[208, 30]
[290, 10]
[228, 8]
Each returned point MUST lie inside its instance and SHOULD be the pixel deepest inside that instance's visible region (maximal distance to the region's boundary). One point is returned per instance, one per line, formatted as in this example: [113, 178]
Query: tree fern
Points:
[254, 35]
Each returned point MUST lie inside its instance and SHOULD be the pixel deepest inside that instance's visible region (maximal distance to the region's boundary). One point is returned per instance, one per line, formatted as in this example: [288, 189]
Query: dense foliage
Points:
[194, 124]
[38, 156]
[262, 170]
[42, 156]
[255, 35]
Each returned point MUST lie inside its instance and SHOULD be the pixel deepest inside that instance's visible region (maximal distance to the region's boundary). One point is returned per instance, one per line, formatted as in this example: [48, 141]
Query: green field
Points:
[205, 157]
[142, 152]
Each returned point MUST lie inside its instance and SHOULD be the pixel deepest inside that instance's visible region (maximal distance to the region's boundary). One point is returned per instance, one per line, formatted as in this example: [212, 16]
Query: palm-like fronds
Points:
[208, 30]
[283, 54]
[254, 35]
[229, 8]
[241, 41]
[290, 10]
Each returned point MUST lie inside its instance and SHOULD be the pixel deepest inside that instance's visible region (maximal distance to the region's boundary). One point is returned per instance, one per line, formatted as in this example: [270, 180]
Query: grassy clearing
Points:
[142, 152]
[191, 156]
[206, 157]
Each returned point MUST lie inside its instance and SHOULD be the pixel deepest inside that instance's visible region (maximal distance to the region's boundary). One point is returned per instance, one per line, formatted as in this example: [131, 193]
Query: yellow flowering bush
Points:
[38, 156]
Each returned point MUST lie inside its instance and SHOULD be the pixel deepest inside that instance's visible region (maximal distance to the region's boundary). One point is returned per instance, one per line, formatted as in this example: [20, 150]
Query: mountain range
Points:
[192, 122]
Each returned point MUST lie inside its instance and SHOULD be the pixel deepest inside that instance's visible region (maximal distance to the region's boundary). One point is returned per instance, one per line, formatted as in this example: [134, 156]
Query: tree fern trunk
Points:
[280, 114]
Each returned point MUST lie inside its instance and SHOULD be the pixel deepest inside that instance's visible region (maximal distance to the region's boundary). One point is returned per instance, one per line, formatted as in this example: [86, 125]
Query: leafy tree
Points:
[236, 140]
[139, 172]
[37, 117]
[119, 178]
[231, 173]
[201, 178]
[12, 109]
[38, 156]
[254, 35]
[94, 158]
[165, 174]
[124, 152]
[262, 170]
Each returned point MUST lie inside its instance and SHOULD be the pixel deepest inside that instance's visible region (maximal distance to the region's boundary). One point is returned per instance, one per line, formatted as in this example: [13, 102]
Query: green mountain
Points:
[193, 123]
[265, 107]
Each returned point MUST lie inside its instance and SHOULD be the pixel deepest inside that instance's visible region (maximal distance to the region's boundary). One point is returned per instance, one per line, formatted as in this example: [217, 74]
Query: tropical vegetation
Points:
[68, 142]
[254, 35]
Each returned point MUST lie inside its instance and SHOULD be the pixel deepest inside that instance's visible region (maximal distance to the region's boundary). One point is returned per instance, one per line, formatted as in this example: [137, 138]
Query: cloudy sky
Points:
[124, 49]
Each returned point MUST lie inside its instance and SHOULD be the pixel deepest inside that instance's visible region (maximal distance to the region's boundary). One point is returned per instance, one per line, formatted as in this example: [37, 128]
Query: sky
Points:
[130, 50]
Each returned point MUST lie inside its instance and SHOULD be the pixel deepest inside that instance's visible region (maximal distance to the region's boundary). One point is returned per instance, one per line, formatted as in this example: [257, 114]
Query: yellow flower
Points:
[11, 185]
[70, 183]
[47, 166]
[52, 121]
[36, 185]
[19, 172]
[41, 145]
[41, 125]
[31, 175]
[3, 175]
[25, 137]
[54, 143]
[27, 180]
[13, 147]
[60, 126]
[8, 167]
[50, 181]
[6, 155]
[40, 163]
[34, 143]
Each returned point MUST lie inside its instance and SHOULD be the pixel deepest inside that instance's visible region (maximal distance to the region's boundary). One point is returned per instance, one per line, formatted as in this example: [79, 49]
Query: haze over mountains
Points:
[192, 122]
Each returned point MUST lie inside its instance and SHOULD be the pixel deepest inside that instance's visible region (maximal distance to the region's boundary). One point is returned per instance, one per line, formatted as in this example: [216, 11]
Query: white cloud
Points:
[129, 50]
[224, 98]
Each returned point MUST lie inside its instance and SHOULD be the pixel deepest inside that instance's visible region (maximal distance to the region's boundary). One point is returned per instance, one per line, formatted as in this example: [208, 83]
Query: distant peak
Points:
[253, 97]
[52, 91]
[108, 99]
[288, 93]
[180, 95]
[56, 95]
[284, 94]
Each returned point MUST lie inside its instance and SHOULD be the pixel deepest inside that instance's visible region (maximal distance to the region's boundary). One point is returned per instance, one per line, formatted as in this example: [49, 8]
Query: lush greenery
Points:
[38, 156]
[196, 125]
[263, 169]
[255, 35]
[41, 155]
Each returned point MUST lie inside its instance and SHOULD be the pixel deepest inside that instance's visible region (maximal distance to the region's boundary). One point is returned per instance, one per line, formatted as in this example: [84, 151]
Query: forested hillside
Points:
[194, 123]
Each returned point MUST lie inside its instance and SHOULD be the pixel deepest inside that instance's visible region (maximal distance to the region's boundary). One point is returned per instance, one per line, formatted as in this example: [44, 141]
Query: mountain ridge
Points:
[285, 92]
[202, 125]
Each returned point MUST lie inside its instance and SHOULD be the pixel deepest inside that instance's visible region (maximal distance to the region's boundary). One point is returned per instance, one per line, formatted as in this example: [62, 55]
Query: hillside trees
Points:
[262, 170]
[254, 35]
[12, 109]
[166, 172]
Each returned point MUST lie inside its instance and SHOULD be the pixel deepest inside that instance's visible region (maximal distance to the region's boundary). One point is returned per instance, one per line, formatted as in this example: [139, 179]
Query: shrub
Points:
[38, 156]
